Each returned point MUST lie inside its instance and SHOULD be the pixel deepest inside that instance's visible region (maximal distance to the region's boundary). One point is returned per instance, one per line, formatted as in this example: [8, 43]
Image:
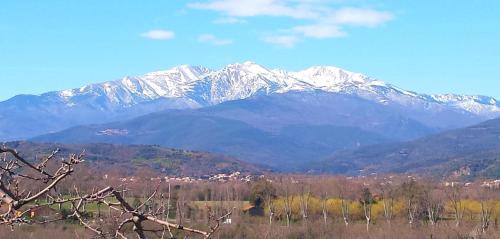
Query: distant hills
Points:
[131, 158]
[287, 131]
[470, 152]
[277, 130]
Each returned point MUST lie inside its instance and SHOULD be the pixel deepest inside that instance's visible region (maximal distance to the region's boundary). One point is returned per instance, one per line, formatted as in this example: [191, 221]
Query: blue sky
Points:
[444, 46]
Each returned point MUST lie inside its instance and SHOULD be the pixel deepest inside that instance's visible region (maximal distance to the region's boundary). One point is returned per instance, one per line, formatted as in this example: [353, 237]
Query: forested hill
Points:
[472, 152]
[133, 157]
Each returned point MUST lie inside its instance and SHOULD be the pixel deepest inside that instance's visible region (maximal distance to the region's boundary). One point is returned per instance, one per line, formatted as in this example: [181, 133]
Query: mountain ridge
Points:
[178, 80]
[191, 87]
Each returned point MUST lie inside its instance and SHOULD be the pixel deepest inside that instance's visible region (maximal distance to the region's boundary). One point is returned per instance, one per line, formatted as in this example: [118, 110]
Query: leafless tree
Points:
[287, 201]
[410, 191]
[304, 197]
[324, 210]
[433, 202]
[454, 194]
[19, 176]
[487, 206]
[367, 202]
[344, 201]
[388, 193]
[13, 179]
[485, 216]
[270, 207]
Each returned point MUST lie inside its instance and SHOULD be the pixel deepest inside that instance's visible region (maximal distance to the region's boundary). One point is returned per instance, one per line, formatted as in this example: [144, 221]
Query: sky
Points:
[445, 46]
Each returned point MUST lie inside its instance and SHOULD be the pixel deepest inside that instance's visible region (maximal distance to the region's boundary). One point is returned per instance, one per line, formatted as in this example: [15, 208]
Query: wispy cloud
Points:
[158, 34]
[318, 19]
[252, 8]
[360, 17]
[212, 39]
[286, 41]
[319, 31]
[331, 25]
[229, 20]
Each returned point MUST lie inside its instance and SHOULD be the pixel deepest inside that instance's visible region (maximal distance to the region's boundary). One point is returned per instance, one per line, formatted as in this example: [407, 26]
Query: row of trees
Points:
[291, 200]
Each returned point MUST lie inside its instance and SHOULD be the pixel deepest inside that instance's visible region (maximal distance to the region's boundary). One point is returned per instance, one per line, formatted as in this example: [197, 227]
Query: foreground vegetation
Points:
[89, 202]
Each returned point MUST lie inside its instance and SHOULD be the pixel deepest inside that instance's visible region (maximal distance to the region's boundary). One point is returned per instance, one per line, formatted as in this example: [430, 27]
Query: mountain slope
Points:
[130, 157]
[189, 87]
[316, 108]
[473, 151]
[272, 130]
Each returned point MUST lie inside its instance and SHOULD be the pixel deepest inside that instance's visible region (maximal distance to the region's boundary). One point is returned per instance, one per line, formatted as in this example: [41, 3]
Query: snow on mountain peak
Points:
[247, 67]
[478, 104]
[66, 93]
[455, 98]
[329, 76]
[242, 80]
[186, 73]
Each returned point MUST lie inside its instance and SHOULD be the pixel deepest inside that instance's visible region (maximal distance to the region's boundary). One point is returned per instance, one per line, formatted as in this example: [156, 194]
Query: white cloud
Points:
[320, 31]
[252, 8]
[360, 17]
[287, 41]
[318, 19]
[209, 38]
[229, 20]
[158, 34]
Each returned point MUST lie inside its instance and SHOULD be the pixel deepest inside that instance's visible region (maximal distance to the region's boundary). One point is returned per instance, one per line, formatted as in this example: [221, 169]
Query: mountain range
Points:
[276, 118]
[190, 87]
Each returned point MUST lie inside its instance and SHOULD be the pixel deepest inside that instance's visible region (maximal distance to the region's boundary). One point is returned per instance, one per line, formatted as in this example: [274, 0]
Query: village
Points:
[238, 176]
[221, 177]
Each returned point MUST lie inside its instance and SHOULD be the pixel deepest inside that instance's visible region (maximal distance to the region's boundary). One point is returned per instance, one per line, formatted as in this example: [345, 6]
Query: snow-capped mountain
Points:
[203, 87]
[185, 87]
[480, 105]
[173, 83]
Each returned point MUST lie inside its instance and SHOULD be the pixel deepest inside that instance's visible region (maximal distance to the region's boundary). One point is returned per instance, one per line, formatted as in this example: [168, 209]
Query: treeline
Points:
[317, 206]
[372, 199]
[276, 206]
